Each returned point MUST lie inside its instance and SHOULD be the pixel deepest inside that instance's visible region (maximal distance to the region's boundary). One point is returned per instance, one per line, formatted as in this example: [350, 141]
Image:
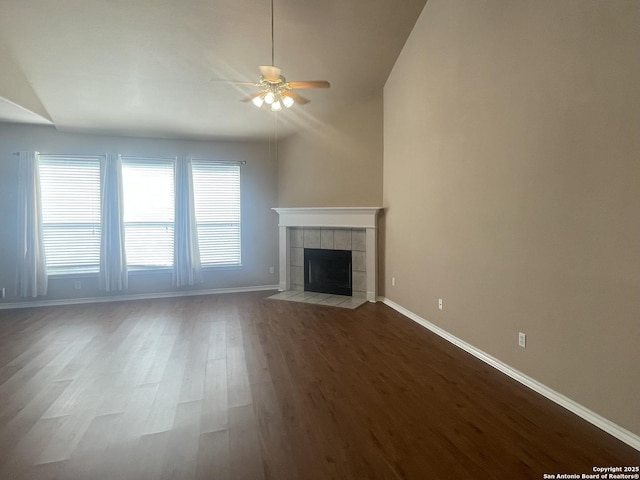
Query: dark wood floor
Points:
[240, 387]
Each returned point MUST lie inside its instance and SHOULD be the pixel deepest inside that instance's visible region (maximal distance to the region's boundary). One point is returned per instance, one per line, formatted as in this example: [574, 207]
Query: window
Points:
[217, 203]
[70, 188]
[148, 211]
[70, 193]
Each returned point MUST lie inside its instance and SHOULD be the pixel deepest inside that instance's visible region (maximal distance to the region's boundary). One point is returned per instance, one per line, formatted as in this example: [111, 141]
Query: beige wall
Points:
[337, 164]
[259, 181]
[512, 181]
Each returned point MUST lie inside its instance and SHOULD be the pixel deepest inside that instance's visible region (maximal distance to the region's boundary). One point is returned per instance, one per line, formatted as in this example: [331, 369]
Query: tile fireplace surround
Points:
[359, 224]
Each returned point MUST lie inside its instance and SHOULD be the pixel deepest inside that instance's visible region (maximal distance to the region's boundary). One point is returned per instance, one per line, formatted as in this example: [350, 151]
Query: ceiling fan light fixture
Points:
[269, 98]
[287, 101]
[258, 101]
[276, 106]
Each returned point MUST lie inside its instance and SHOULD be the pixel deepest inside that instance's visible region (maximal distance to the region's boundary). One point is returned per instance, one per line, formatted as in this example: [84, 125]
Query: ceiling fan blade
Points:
[299, 99]
[234, 82]
[270, 72]
[251, 97]
[309, 84]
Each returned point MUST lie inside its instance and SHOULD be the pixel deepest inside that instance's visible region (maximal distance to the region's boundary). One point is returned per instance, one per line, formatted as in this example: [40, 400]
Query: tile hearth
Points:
[319, 299]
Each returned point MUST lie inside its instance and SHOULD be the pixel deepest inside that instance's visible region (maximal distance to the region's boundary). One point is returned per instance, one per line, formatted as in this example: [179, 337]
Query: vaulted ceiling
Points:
[160, 67]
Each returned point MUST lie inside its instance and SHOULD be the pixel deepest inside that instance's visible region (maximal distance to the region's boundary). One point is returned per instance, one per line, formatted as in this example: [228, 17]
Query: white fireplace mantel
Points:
[331, 217]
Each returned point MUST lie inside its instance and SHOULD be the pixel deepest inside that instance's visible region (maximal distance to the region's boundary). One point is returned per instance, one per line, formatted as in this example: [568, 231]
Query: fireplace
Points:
[327, 271]
[329, 228]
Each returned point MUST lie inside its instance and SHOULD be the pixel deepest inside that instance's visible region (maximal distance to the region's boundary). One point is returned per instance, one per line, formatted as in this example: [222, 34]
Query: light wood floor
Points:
[240, 387]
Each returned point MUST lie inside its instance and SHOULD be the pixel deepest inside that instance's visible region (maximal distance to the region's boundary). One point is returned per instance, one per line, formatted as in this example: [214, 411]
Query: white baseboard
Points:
[608, 426]
[141, 296]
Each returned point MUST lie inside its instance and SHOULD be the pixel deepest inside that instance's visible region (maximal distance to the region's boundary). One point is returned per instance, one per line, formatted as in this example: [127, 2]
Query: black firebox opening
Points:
[327, 271]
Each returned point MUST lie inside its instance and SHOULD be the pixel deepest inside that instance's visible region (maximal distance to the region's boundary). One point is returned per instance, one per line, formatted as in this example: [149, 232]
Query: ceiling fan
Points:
[273, 88]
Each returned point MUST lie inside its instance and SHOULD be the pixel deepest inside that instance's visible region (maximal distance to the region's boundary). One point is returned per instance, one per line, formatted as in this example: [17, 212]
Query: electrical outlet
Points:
[440, 306]
[393, 281]
[272, 270]
[78, 285]
[522, 340]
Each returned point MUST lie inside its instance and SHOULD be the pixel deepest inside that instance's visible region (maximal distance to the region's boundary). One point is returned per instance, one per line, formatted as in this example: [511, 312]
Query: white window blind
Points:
[70, 192]
[217, 204]
[148, 211]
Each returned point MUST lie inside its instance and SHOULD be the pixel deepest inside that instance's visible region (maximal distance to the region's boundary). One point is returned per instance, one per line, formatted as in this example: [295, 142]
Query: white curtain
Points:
[113, 260]
[186, 256]
[31, 275]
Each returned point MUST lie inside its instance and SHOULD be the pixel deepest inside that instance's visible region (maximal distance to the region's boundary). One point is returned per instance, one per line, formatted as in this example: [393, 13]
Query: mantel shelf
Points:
[336, 217]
